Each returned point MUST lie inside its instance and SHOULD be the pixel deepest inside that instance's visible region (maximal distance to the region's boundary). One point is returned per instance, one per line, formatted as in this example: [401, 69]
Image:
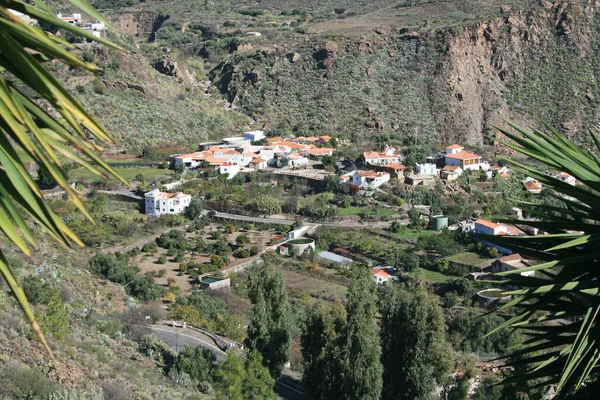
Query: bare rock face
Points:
[167, 66]
[383, 30]
[140, 25]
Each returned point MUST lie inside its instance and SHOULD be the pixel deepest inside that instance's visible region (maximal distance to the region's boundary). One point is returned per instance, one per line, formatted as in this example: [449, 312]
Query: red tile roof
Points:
[320, 151]
[512, 257]
[380, 272]
[531, 185]
[455, 146]
[369, 173]
[463, 155]
[394, 166]
[486, 223]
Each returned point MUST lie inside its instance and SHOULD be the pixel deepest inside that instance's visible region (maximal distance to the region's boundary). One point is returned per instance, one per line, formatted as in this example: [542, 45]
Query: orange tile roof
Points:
[531, 185]
[320, 151]
[394, 166]
[369, 173]
[463, 155]
[325, 138]
[257, 160]
[196, 155]
[486, 223]
[380, 272]
[455, 146]
[504, 175]
[512, 257]
[249, 154]
[513, 230]
[292, 145]
[274, 140]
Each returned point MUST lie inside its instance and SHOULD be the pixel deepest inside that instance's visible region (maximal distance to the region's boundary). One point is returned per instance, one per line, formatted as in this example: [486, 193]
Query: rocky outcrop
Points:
[141, 25]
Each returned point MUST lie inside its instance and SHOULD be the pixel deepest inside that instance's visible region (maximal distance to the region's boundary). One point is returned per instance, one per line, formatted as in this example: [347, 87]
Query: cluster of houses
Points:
[234, 154]
[75, 19]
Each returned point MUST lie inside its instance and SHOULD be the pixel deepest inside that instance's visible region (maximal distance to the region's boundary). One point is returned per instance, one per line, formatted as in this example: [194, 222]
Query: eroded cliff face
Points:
[517, 68]
[449, 85]
[141, 25]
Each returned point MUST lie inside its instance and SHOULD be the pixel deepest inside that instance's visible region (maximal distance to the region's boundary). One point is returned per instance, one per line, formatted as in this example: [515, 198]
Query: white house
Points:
[510, 263]
[297, 160]
[160, 203]
[450, 173]
[258, 163]
[370, 179]
[230, 169]
[381, 276]
[426, 169]
[388, 156]
[500, 171]
[485, 227]
[455, 155]
[567, 178]
[254, 136]
[95, 26]
[532, 185]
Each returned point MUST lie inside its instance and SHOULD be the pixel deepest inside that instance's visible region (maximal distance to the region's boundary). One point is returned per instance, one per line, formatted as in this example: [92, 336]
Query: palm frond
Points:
[558, 310]
[31, 133]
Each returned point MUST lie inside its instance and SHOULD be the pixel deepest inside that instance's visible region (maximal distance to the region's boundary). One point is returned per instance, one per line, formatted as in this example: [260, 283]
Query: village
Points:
[304, 157]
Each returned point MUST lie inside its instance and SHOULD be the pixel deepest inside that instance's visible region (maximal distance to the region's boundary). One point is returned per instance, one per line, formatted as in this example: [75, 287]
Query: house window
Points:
[172, 210]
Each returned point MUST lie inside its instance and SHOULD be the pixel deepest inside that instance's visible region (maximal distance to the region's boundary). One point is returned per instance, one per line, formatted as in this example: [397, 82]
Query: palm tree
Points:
[40, 121]
[558, 309]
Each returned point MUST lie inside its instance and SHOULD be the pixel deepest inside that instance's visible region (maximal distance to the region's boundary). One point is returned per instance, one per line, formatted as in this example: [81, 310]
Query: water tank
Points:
[439, 222]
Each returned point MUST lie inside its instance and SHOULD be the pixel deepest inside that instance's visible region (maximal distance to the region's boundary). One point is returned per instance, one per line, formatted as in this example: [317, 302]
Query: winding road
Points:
[177, 338]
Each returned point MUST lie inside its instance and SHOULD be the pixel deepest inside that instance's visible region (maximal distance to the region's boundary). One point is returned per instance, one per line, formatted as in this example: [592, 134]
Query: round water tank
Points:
[439, 222]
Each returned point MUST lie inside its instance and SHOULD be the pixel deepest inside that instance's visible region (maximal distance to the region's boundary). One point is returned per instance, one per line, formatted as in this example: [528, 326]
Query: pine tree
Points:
[230, 378]
[270, 323]
[416, 356]
[56, 319]
[258, 383]
[360, 349]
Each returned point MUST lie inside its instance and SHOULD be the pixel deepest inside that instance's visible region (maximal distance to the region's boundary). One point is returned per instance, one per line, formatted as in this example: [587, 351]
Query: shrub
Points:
[451, 299]
[156, 349]
[242, 240]
[161, 273]
[241, 253]
[229, 228]
[37, 291]
[56, 319]
[254, 250]
[149, 248]
[161, 260]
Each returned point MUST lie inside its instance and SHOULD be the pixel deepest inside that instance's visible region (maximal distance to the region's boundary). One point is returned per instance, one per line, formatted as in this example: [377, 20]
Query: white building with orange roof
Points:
[318, 153]
[258, 163]
[161, 203]
[370, 179]
[567, 178]
[456, 155]
[532, 185]
[382, 275]
[388, 156]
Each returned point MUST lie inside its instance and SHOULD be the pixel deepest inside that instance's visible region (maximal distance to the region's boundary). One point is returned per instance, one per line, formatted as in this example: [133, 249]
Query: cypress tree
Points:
[416, 356]
[360, 349]
[269, 330]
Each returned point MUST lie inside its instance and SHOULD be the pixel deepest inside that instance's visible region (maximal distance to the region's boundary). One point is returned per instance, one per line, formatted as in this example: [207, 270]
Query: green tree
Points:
[416, 357]
[268, 205]
[360, 349]
[242, 240]
[320, 349]
[56, 319]
[230, 377]
[197, 362]
[194, 209]
[258, 383]
[38, 291]
[269, 330]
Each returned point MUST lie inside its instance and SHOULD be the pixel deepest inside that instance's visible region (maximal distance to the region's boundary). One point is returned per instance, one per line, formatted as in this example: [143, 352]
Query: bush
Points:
[241, 253]
[156, 349]
[451, 299]
[149, 248]
[25, 383]
[197, 362]
[161, 260]
[37, 292]
[99, 87]
[56, 320]
[242, 240]
[161, 273]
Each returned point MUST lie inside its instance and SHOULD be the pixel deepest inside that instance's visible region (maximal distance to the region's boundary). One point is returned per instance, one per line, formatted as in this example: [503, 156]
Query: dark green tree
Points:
[229, 378]
[270, 322]
[259, 383]
[416, 357]
[360, 349]
[320, 347]
[194, 210]
[197, 362]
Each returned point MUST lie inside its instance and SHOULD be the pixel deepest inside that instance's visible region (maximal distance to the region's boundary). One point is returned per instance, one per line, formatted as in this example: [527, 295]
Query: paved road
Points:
[254, 220]
[177, 338]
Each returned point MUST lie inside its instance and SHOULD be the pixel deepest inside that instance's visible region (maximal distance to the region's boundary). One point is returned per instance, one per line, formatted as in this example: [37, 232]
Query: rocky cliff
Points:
[452, 84]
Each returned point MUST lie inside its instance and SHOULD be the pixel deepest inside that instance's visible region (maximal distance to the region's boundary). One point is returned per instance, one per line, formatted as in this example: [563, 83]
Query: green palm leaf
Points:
[559, 309]
[31, 133]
